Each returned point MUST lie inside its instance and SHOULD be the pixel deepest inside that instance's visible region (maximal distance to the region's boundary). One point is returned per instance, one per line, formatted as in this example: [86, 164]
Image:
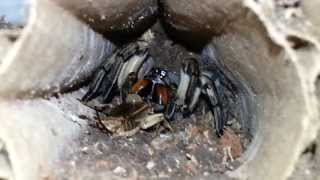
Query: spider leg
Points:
[103, 79]
[110, 77]
[210, 93]
[189, 88]
[95, 87]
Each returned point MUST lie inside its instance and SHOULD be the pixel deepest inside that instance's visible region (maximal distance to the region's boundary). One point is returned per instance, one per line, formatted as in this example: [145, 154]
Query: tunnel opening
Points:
[262, 78]
[192, 147]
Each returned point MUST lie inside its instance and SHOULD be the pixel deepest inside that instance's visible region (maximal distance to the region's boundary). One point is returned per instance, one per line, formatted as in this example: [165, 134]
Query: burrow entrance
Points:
[192, 148]
[263, 81]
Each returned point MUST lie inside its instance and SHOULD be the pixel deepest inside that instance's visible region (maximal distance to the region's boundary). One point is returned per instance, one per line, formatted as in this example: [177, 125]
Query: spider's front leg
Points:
[210, 95]
[112, 75]
[195, 84]
[104, 79]
[189, 88]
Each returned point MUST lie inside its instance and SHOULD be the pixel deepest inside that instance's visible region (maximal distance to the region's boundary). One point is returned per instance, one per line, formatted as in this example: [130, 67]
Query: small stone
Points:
[73, 163]
[85, 149]
[120, 170]
[192, 158]
[103, 17]
[150, 150]
[307, 172]
[150, 165]
[177, 162]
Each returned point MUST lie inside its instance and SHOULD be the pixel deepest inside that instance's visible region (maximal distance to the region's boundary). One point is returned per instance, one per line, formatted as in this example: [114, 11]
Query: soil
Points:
[192, 149]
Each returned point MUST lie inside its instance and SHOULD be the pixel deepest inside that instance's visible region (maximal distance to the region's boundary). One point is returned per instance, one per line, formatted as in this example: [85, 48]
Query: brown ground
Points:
[192, 149]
